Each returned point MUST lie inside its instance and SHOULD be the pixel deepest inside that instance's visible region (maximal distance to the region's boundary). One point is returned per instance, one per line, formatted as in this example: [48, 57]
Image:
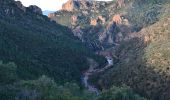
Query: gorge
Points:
[118, 50]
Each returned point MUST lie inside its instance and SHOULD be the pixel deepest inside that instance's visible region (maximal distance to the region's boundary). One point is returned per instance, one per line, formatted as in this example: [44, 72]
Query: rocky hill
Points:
[102, 25]
[141, 61]
[136, 32]
[91, 21]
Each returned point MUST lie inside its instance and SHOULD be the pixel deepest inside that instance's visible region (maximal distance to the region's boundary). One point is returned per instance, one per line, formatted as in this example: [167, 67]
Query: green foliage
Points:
[44, 89]
[122, 93]
[143, 16]
[7, 73]
[143, 63]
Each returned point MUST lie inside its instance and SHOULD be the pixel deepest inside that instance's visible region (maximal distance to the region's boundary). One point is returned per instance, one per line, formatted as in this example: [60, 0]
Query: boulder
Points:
[117, 19]
[93, 22]
[102, 19]
[73, 20]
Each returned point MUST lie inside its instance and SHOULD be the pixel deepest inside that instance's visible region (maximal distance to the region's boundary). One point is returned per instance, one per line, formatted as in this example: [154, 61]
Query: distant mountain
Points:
[46, 12]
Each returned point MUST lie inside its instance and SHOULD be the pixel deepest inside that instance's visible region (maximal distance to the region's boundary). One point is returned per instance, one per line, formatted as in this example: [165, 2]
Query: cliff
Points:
[76, 5]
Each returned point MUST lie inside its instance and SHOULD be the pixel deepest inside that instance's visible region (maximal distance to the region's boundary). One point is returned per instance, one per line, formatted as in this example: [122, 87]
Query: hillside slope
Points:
[39, 46]
[142, 61]
[136, 32]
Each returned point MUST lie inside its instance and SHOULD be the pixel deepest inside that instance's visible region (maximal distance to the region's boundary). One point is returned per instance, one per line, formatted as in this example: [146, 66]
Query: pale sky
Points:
[51, 5]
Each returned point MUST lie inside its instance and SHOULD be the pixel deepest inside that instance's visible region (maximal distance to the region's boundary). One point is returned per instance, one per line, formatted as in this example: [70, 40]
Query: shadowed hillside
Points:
[39, 46]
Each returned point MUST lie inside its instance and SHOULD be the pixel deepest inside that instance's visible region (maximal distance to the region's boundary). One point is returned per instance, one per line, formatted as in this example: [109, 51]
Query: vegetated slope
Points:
[39, 46]
[143, 60]
[45, 88]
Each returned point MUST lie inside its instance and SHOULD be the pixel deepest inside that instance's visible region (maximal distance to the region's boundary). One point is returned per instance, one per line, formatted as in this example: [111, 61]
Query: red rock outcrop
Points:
[73, 20]
[117, 19]
[102, 19]
[76, 5]
[68, 6]
[93, 22]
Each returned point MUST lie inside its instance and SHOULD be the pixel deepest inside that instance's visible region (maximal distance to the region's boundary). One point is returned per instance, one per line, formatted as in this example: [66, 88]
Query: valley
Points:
[130, 31]
[92, 71]
[88, 50]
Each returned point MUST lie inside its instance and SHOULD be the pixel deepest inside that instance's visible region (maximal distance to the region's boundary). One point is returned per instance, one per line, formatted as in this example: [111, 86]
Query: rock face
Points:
[93, 22]
[34, 9]
[99, 20]
[120, 3]
[10, 11]
[69, 6]
[102, 19]
[73, 20]
[79, 14]
[117, 19]
[19, 4]
[76, 4]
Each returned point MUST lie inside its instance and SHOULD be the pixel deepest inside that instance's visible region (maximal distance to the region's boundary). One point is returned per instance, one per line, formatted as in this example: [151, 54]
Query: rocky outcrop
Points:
[19, 4]
[19, 8]
[51, 15]
[102, 19]
[68, 6]
[34, 9]
[117, 19]
[93, 22]
[72, 5]
[120, 3]
[78, 32]
[73, 20]
[97, 21]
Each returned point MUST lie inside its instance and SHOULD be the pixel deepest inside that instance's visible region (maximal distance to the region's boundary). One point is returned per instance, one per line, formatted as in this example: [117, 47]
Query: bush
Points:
[8, 73]
[119, 93]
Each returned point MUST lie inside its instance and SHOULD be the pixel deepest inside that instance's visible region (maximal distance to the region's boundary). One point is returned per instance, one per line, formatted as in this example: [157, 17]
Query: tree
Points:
[119, 93]
[8, 73]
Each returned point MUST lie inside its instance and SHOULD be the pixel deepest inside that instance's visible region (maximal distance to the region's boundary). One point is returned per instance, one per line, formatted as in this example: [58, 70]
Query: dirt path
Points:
[91, 71]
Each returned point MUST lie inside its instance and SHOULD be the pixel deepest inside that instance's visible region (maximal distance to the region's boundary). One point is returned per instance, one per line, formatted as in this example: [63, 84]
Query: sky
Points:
[51, 5]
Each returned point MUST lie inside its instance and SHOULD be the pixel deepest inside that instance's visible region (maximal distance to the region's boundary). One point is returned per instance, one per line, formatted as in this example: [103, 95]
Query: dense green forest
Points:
[45, 88]
[40, 47]
[31, 45]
